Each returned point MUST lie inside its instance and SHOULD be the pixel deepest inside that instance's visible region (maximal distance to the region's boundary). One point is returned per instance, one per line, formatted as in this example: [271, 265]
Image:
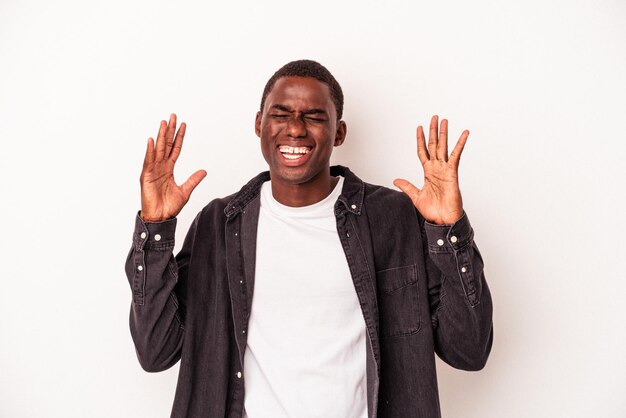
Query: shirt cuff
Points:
[154, 235]
[449, 238]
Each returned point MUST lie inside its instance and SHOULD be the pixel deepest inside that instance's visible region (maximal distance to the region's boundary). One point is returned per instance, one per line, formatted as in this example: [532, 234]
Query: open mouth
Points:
[293, 153]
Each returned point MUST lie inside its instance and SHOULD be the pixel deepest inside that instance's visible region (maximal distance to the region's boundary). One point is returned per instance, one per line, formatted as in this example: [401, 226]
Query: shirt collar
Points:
[351, 195]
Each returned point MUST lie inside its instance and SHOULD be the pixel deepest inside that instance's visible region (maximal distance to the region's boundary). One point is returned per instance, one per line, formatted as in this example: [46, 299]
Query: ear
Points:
[342, 130]
[257, 124]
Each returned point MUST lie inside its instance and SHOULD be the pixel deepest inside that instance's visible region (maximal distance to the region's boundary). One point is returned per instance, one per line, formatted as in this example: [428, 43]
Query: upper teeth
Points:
[293, 150]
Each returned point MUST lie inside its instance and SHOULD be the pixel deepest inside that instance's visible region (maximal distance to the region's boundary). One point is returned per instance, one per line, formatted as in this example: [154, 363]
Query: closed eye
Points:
[316, 115]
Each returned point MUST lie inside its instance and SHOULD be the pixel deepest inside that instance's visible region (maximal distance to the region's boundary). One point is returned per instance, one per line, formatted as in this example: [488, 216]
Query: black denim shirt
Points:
[421, 289]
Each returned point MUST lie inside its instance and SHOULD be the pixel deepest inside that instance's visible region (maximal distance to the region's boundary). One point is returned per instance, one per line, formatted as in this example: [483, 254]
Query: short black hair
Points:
[307, 68]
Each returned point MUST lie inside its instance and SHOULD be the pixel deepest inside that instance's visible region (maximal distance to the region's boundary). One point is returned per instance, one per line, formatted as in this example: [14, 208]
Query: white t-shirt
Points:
[306, 337]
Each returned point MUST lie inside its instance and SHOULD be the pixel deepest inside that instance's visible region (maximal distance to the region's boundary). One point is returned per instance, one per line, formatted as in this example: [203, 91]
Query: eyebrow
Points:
[284, 108]
[281, 108]
[314, 111]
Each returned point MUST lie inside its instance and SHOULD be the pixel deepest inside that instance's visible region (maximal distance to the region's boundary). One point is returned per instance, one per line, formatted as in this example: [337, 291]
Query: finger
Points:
[160, 141]
[409, 189]
[192, 182]
[442, 144]
[149, 157]
[422, 152]
[178, 142]
[169, 135]
[432, 137]
[455, 155]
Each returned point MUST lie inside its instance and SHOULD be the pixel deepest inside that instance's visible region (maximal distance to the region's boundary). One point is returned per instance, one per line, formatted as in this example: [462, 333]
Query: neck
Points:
[304, 194]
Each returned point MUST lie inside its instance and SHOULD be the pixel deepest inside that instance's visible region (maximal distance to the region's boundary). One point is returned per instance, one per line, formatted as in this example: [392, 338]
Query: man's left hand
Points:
[439, 201]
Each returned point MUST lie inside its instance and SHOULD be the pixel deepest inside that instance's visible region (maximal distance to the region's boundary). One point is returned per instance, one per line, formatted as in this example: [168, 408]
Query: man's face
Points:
[298, 128]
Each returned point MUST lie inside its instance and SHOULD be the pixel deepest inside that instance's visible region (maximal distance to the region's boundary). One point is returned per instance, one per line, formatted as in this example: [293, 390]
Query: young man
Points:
[308, 293]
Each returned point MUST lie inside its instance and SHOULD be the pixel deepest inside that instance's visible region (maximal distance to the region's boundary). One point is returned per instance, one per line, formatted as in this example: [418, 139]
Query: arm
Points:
[157, 279]
[156, 322]
[460, 301]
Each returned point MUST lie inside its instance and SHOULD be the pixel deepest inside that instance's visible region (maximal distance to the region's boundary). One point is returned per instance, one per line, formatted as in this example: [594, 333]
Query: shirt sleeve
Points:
[156, 322]
[460, 300]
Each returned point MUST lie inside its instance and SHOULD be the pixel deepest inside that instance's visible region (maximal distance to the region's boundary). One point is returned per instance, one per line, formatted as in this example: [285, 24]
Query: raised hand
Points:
[439, 201]
[161, 197]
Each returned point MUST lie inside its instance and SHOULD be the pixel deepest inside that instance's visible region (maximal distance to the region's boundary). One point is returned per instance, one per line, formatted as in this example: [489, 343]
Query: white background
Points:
[541, 85]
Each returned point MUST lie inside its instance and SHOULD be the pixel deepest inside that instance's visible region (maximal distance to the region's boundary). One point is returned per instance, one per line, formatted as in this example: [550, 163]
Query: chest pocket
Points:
[398, 301]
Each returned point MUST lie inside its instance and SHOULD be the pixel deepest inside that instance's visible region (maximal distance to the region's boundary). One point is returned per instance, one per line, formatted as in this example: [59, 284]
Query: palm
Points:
[439, 200]
[161, 197]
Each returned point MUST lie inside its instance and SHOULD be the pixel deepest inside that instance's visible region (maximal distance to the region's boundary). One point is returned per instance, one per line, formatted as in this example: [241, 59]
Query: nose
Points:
[296, 127]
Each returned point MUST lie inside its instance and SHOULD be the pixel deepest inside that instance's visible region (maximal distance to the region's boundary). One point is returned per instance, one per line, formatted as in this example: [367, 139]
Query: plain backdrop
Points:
[540, 84]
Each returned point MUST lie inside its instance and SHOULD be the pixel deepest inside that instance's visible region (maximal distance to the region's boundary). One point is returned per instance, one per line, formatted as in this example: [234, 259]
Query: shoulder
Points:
[376, 192]
[372, 194]
[216, 206]
[383, 201]
[226, 206]
[377, 200]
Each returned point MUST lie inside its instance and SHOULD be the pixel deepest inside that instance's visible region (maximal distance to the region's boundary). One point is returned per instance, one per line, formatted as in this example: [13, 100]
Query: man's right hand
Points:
[161, 197]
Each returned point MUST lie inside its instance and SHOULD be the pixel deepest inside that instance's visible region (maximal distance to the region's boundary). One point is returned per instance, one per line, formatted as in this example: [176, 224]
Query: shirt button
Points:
[157, 237]
[453, 239]
[238, 375]
[353, 206]
[143, 235]
[140, 268]
[440, 242]
[463, 269]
